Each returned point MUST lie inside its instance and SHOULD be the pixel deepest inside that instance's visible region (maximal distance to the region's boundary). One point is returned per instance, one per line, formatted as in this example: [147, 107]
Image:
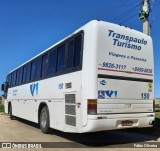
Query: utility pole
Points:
[144, 14]
[146, 26]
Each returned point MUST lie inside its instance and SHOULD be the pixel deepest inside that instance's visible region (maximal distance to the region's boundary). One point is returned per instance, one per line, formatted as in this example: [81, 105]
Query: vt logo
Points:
[111, 93]
[34, 89]
[105, 94]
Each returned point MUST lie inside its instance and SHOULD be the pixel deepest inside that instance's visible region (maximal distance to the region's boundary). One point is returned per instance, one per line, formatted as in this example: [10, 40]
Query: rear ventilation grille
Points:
[70, 109]
[70, 120]
[70, 98]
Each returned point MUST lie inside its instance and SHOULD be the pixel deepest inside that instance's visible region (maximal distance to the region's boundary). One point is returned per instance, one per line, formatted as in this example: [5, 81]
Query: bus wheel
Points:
[10, 112]
[44, 120]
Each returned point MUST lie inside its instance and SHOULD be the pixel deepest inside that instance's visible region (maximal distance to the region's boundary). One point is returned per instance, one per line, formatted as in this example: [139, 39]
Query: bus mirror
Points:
[2, 87]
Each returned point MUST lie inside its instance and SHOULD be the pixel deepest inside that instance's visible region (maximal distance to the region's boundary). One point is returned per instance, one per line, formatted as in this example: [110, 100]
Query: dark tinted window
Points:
[8, 81]
[14, 78]
[56, 60]
[20, 76]
[28, 72]
[44, 66]
[24, 74]
[11, 79]
[52, 62]
[70, 53]
[17, 78]
[33, 70]
[38, 68]
[78, 48]
[61, 58]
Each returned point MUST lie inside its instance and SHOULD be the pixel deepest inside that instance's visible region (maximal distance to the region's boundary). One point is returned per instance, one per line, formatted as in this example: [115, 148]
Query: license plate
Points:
[127, 123]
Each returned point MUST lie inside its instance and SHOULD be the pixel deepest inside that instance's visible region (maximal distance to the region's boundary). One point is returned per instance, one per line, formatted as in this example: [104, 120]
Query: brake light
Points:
[92, 107]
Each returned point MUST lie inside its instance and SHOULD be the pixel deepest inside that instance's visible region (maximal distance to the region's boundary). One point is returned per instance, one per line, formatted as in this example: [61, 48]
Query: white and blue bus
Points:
[101, 77]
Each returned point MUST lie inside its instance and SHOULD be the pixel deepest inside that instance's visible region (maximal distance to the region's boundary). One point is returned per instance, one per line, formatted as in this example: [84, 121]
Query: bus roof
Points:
[78, 30]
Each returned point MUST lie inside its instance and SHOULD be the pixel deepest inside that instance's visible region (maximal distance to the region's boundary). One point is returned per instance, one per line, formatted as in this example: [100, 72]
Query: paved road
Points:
[19, 130]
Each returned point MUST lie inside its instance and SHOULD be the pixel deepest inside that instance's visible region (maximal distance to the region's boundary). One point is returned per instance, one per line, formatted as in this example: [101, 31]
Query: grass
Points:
[157, 115]
[157, 106]
[1, 108]
[157, 109]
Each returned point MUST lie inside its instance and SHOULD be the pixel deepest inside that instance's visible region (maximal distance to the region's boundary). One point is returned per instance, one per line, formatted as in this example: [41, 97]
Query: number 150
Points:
[145, 95]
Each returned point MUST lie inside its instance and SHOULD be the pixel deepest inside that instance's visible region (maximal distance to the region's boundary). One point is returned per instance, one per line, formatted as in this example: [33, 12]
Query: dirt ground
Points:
[22, 131]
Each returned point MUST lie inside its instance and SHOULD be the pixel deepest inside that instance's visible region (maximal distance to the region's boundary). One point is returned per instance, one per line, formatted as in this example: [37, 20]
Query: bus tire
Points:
[44, 120]
[10, 112]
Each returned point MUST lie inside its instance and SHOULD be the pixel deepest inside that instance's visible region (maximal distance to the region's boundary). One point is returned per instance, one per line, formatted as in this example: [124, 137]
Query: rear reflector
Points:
[92, 107]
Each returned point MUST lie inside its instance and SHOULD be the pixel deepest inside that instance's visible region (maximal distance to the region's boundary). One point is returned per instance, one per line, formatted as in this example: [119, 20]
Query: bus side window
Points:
[17, 79]
[52, 62]
[24, 74]
[38, 68]
[11, 80]
[20, 76]
[78, 51]
[7, 79]
[44, 66]
[14, 78]
[70, 54]
[28, 72]
[61, 58]
[32, 71]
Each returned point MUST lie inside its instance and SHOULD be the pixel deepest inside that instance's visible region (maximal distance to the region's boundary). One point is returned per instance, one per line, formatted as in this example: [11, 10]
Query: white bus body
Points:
[113, 89]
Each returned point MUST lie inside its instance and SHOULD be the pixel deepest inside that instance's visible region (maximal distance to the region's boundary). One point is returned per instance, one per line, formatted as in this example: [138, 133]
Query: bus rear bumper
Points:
[114, 121]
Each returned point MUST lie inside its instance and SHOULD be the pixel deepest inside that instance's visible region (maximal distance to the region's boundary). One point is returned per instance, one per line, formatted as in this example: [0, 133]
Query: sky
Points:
[27, 27]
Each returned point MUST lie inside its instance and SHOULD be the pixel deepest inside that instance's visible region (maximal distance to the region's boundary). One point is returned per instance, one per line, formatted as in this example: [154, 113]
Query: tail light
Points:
[92, 107]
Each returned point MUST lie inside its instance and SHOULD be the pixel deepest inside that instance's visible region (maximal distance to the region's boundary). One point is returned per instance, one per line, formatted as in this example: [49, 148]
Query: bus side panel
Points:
[26, 109]
[51, 92]
[89, 67]
[56, 112]
[6, 105]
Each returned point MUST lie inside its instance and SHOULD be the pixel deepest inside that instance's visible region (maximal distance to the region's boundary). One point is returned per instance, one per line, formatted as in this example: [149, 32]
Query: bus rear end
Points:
[125, 80]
